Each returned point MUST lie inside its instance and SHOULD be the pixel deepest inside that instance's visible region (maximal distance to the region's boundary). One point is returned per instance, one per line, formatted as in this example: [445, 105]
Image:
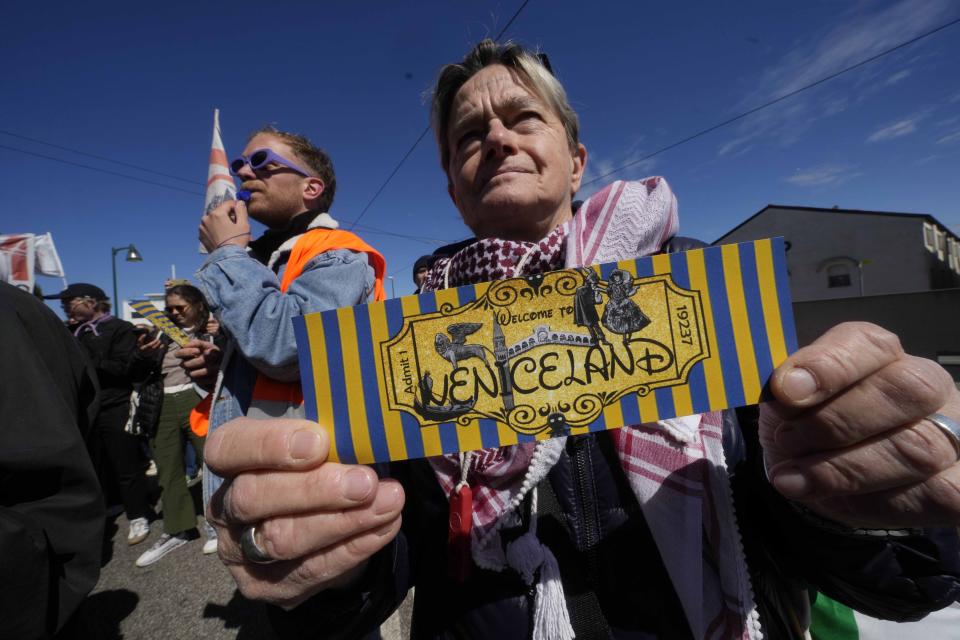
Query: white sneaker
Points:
[192, 480]
[151, 470]
[164, 545]
[139, 530]
[210, 546]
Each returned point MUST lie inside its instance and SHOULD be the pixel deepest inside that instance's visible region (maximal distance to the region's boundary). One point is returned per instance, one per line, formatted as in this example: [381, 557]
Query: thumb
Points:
[240, 211]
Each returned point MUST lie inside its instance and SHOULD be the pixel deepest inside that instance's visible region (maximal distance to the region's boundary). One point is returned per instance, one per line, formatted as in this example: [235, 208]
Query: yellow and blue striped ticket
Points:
[146, 309]
[565, 352]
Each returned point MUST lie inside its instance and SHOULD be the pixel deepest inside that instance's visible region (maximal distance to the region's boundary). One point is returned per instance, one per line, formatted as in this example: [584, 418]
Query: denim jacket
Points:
[245, 296]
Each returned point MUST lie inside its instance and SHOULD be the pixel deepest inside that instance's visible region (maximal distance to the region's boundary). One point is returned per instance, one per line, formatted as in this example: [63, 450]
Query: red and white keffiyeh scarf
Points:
[681, 460]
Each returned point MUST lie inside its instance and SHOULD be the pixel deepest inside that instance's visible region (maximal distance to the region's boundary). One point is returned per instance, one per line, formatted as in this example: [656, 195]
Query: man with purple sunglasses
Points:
[301, 264]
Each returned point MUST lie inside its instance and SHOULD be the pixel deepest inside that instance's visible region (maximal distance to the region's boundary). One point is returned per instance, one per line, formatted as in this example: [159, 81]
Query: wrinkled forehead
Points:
[494, 87]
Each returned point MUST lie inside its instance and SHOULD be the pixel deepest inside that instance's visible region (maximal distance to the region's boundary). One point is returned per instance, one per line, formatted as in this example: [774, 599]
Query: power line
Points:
[774, 101]
[96, 157]
[422, 134]
[756, 109]
[366, 228]
[383, 232]
[92, 168]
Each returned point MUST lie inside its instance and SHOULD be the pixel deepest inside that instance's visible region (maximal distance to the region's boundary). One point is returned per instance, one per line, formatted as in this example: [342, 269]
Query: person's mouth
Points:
[503, 171]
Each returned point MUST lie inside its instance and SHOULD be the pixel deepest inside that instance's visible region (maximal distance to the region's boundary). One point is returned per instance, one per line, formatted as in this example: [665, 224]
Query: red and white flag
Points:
[220, 185]
[18, 260]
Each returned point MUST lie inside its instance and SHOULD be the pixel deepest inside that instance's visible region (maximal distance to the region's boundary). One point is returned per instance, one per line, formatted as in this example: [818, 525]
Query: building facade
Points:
[843, 253]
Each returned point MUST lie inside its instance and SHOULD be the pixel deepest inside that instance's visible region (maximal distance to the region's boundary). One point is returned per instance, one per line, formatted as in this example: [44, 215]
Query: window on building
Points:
[954, 249]
[929, 237]
[941, 244]
[838, 275]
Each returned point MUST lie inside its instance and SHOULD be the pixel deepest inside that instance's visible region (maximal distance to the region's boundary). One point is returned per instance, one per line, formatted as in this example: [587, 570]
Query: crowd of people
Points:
[846, 482]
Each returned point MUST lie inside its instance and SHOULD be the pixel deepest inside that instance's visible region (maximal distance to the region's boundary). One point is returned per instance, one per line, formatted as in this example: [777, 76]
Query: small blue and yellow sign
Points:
[565, 352]
[146, 309]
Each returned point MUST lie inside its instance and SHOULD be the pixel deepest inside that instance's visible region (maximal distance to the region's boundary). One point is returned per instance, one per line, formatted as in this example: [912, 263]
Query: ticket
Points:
[146, 309]
[566, 352]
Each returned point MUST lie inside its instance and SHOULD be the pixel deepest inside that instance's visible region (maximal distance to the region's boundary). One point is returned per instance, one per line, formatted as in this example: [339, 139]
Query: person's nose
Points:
[500, 141]
[246, 172]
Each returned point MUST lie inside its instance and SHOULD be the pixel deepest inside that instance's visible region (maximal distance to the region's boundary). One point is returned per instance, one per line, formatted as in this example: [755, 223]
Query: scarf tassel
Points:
[551, 620]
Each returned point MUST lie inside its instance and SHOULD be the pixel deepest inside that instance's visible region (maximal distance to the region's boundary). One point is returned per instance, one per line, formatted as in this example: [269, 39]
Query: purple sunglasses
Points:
[261, 157]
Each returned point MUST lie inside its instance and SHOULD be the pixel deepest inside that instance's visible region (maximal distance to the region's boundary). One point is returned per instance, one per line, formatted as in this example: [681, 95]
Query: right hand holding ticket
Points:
[320, 520]
[149, 344]
[226, 224]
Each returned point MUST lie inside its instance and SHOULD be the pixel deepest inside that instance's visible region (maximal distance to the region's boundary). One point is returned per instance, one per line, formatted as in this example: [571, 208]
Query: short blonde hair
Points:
[526, 63]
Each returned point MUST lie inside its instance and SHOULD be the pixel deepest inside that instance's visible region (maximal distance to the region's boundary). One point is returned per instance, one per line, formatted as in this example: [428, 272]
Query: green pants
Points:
[179, 509]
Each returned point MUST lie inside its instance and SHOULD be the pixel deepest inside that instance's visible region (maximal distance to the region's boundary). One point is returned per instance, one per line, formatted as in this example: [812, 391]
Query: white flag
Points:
[48, 260]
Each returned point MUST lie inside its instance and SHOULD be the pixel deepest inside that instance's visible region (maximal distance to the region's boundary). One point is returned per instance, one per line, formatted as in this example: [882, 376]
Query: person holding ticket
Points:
[187, 309]
[706, 526]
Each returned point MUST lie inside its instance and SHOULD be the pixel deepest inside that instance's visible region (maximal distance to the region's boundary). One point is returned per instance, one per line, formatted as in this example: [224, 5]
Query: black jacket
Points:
[112, 351]
[603, 545]
[51, 510]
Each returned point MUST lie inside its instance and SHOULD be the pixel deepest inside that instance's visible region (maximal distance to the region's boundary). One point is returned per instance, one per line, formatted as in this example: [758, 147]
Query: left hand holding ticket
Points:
[846, 435]
[226, 224]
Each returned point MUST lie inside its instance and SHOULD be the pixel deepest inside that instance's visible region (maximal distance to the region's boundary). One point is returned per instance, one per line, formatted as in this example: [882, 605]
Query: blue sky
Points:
[138, 84]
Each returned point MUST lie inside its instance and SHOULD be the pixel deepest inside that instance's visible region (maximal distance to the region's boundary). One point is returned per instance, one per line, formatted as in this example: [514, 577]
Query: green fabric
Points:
[179, 510]
[830, 620]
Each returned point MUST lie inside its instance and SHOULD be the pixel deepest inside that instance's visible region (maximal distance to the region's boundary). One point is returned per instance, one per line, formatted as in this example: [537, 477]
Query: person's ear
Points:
[313, 188]
[578, 165]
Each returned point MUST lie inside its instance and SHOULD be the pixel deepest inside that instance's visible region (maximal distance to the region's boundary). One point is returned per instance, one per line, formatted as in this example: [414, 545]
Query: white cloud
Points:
[854, 40]
[858, 33]
[898, 76]
[950, 139]
[895, 130]
[825, 174]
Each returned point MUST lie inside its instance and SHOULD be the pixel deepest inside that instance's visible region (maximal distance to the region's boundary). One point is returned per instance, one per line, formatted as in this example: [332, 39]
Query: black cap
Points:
[423, 262]
[79, 290]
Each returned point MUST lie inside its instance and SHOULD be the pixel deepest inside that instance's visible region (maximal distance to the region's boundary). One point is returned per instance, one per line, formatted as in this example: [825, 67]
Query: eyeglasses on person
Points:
[262, 157]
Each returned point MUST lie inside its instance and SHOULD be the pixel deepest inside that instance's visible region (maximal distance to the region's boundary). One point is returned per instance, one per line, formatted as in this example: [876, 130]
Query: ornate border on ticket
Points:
[567, 352]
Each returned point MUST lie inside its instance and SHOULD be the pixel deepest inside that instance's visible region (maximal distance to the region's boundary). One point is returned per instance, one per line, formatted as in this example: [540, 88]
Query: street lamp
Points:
[132, 256]
[393, 288]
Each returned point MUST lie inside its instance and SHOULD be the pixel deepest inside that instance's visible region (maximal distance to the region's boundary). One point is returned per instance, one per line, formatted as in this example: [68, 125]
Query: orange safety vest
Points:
[311, 244]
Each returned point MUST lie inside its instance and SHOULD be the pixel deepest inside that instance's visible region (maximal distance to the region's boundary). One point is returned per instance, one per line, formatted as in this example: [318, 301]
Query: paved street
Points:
[184, 595]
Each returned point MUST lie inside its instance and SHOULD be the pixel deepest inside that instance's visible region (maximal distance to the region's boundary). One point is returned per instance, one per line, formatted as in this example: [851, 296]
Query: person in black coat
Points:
[110, 344]
[51, 510]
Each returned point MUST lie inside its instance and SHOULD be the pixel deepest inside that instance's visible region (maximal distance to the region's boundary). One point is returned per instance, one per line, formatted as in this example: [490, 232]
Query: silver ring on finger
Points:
[251, 550]
[950, 427]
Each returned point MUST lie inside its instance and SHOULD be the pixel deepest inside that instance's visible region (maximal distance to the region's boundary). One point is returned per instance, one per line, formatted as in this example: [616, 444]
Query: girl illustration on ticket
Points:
[621, 315]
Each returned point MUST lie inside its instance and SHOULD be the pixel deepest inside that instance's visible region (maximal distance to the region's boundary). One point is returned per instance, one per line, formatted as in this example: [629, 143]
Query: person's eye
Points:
[467, 137]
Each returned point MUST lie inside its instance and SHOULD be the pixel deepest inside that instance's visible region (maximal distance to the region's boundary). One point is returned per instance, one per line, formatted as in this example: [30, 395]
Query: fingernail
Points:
[356, 484]
[791, 483]
[388, 499]
[304, 444]
[799, 384]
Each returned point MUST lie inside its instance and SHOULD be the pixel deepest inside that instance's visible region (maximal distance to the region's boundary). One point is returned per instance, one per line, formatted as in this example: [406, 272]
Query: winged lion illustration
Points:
[457, 349]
